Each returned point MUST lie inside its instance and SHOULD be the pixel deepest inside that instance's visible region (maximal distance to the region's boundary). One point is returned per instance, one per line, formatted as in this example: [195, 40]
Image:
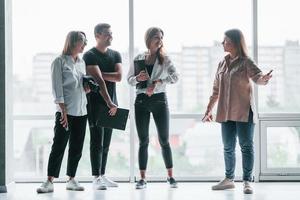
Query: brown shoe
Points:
[224, 185]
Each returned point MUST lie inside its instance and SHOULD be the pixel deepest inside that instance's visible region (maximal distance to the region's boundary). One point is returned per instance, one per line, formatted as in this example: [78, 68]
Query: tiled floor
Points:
[158, 191]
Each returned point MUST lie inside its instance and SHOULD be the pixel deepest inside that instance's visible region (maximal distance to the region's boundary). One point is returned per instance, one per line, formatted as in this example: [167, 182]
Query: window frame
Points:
[261, 172]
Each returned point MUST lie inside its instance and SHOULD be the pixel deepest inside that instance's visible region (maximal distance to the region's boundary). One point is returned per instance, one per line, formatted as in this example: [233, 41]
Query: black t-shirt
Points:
[106, 62]
[149, 69]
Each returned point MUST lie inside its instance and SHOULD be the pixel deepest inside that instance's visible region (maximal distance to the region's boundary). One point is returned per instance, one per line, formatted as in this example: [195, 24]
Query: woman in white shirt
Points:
[67, 71]
[151, 72]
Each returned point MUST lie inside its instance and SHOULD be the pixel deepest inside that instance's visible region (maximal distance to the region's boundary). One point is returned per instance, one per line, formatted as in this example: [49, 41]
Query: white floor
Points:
[157, 191]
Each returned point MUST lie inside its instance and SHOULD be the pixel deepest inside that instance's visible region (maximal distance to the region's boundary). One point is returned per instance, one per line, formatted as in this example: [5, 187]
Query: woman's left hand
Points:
[267, 77]
[150, 88]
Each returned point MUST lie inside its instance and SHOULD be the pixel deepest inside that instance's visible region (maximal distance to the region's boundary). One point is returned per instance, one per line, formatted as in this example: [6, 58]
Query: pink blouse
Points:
[232, 89]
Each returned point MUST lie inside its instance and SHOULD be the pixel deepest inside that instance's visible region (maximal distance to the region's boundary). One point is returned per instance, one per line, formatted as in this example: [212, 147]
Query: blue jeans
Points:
[244, 131]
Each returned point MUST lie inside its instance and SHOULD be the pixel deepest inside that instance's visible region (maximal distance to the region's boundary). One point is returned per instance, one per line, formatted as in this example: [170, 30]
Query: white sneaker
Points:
[46, 187]
[247, 188]
[99, 184]
[74, 185]
[224, 185]
[108, 182]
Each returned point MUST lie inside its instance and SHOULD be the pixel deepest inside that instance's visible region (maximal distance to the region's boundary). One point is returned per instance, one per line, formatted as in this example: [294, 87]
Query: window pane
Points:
[193, 32]
[38, 40]
[196, 147]
[279, 50]
[39, 32]
[283, 144]
[32, 145]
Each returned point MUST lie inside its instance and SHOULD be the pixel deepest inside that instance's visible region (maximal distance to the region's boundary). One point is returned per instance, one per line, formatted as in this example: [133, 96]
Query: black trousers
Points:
[157, 104]
[75, 135]
[100, 139]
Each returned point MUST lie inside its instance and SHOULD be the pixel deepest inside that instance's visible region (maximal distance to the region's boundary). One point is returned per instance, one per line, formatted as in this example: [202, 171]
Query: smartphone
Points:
[269, 73]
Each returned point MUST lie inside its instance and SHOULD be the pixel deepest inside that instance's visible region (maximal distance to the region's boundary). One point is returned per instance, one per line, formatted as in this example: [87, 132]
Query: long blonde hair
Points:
[148, 37]
[71, 40]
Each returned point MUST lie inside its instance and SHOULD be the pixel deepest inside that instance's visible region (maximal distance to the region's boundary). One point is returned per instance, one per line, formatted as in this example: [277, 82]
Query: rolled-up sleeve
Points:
[215, 91]
[131, 78]
[254, 72]
[56, 77]
[215, 94]
[173, 76]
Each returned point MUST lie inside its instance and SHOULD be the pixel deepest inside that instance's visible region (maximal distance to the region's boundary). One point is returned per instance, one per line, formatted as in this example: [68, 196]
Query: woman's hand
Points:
[150, 90]
[64, 119]
[112, 109]
[142, 76]
[87, 89]
[265, 78]
[207, 116]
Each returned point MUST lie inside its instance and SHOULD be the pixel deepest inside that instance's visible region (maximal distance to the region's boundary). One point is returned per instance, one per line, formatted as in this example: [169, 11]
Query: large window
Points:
[39, 32]
[279, 49]
[193, 31]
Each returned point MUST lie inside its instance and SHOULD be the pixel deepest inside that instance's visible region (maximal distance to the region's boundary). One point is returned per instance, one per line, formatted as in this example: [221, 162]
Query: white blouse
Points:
[166, 72]
[67, 88]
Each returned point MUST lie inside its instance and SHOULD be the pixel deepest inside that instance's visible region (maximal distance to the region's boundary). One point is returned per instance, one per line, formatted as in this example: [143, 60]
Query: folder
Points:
[118, 121]
[139, 65]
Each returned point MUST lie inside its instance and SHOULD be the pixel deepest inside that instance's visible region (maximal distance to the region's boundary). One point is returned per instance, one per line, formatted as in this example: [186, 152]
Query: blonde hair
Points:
[150, 33]
[72, 38]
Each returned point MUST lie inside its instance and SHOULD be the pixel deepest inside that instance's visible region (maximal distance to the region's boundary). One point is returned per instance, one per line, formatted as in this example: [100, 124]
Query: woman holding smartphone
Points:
[236, 110]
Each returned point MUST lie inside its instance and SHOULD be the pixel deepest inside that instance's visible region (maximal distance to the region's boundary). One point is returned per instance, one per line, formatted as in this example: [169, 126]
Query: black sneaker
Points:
[141, 184]
[172, 182]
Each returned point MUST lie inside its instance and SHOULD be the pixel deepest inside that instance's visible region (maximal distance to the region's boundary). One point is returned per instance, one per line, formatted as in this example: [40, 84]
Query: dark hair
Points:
[237, 38]
[72, 38]
[100, 27]
[148, 37]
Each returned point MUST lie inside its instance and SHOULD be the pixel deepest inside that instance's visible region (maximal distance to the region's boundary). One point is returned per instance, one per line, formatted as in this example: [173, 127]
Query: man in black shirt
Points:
[102, 63]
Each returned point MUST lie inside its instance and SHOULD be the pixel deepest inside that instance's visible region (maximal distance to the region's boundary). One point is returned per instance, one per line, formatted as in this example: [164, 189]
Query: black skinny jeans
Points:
[99, 141]
[157, 104]
[75, 135]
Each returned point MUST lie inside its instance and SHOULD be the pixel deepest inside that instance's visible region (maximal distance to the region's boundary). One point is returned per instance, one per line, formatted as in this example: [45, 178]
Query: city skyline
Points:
[196, 66]
[211, 19]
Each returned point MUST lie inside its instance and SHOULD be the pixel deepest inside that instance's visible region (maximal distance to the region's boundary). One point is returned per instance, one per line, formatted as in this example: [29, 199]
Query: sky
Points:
[42, 25]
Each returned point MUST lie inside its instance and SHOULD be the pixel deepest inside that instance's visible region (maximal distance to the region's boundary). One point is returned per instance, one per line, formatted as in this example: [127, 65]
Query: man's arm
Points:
[114, 76]
[95, 72]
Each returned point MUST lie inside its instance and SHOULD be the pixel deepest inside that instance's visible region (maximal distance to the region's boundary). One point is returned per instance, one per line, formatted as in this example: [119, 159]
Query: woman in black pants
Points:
[151, 72]
[67, 71]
